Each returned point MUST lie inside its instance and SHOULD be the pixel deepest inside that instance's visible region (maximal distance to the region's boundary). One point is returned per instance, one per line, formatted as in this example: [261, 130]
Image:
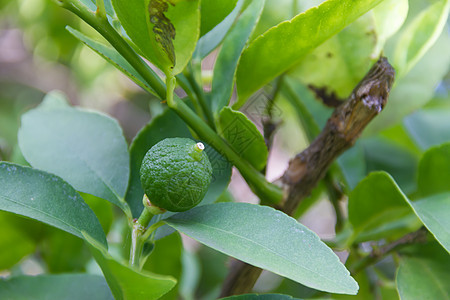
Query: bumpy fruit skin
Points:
[176, 174]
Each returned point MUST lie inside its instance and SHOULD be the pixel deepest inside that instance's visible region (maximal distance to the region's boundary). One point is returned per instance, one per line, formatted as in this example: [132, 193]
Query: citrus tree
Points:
[357, 78]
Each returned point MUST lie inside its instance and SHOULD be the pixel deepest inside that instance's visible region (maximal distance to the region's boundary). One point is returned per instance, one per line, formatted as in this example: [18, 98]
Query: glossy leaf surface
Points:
[286, 44]
[213, 12]
[213, 38]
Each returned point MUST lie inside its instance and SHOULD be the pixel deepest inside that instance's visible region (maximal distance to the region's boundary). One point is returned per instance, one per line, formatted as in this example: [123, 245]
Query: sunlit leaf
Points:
[286, 44]
[420, 35]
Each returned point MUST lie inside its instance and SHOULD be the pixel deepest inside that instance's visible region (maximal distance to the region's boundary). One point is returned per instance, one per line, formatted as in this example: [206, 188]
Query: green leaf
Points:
[434, 212]
[269, 239]
[128, 283]
[213, 12]
[424, 275]
[260, 297]
[114, 58]
[166, 125]
[243, 136]
[213, 38]
[46, 198]
[227, 60]
[383, 154]
[429, 127]
[342, 61]
[14, 243]
[85, 148]
[388, 17]
[165, 33]
[63, 253]
[420, 35]
[415, 89]
[434, 174]
[377, 208]
[190, 276]
[65, 286]
[286, 44]
[351, 166]
[165, 259]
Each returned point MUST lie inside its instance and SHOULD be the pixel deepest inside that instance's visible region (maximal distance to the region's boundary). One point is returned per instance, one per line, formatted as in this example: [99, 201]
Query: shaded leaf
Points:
[128, 283]
[114, 58]
[165, 259]
[286, 44]
[46, 198]
[14, 243]
[424, 275]
[383, 155]
[64, 287]
[259, 297]
[377, 208]
[243, 136]
[85, 148]
[269, 239]
[190, 276]
[227, 60]
[434, 175]
[429, 127]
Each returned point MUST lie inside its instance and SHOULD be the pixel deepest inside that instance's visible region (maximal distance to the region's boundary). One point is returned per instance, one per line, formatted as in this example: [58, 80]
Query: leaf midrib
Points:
[264, 247]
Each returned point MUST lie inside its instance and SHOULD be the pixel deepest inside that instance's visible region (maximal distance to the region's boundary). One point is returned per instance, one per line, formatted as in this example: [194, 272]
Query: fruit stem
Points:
[139, 233]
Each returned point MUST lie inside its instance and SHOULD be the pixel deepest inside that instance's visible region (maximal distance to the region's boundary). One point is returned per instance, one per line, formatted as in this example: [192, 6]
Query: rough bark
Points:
[307, 168]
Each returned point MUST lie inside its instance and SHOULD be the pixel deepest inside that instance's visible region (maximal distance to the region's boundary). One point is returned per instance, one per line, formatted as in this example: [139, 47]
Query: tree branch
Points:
[306, 169]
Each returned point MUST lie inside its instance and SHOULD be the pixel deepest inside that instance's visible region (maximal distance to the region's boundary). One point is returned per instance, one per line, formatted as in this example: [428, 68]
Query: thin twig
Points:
[419, 236]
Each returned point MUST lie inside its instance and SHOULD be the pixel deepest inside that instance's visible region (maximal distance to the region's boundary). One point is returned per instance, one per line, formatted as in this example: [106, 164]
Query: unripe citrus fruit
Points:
[176, 173]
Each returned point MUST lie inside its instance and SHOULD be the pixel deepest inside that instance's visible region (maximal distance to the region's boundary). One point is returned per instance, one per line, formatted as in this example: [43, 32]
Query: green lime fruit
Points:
[176, 174]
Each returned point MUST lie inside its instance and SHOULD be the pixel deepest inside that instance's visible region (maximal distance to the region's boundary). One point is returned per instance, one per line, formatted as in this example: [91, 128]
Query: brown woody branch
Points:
[306, 169]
